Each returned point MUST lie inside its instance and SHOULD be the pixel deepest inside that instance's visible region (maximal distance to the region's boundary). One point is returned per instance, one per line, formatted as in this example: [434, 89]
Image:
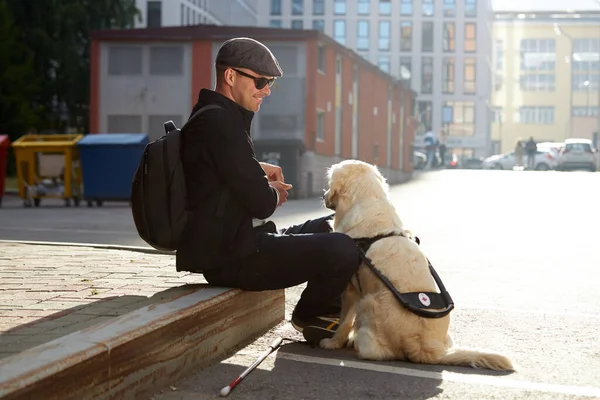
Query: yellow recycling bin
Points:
[48, 166]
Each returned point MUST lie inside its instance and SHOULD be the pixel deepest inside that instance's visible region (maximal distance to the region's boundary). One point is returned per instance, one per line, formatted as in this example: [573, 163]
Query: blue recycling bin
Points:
[108, 163]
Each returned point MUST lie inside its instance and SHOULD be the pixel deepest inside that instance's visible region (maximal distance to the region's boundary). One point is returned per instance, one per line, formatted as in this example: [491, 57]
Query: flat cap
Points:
[248, 53]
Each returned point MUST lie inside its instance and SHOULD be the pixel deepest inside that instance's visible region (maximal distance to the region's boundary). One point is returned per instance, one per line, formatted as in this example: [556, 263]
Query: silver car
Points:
[577, 154]
[544, 160]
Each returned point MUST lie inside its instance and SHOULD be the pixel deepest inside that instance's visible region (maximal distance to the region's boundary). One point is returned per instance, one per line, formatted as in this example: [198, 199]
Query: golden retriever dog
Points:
[379, 327]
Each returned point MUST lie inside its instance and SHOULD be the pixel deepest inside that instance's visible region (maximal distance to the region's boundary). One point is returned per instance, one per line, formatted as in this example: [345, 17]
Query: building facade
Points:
[330, 104]
[546, 76]
[156, 13]
[441, 49]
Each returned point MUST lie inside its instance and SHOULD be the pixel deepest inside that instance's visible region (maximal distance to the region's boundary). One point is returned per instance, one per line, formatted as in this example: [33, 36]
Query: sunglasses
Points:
[259, 83]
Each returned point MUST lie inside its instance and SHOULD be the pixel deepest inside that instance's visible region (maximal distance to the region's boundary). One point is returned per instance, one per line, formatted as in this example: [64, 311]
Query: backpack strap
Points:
[200, 111]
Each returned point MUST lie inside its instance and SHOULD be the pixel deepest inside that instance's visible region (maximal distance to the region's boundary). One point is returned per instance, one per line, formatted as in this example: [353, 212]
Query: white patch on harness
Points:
[424, 299]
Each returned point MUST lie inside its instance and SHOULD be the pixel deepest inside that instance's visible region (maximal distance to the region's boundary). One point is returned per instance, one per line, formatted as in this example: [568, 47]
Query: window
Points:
[428, 8]
[339, 31]
[586, 64]
[297, 24]
[125, 60]
[449, 39]
[406, 7]
[424, 116]
[362, 8]
[318, 7]
[470, 37]
[384, 35]
[154, 14]
[275, 7]
[385, 7]
[320, 125]
[538, 61]
[166, 60]
[469, 75]
[405, 36]
[362, 28]
[321, 58]
[449, 8]
[585, 111]
[498, 115]
[470, 8]
[463, 118]
[275, 23]
[536, 115]
[383, 62]
[427, 36]
[318, 24]
[297, 7]
[406, 70]
[427, 75]
[448, 75]
[339, 7]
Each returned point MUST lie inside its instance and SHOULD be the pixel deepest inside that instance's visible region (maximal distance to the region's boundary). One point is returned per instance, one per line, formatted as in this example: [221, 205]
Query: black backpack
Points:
[158, 192]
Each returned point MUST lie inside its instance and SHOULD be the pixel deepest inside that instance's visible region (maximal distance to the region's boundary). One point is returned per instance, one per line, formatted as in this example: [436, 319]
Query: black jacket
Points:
[226, 186]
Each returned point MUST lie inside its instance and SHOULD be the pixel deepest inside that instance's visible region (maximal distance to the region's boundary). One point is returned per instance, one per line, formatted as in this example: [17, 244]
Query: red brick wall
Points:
[202, 68]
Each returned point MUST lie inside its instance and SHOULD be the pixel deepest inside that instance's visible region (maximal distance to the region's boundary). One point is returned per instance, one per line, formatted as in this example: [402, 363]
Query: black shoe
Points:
[314, 329]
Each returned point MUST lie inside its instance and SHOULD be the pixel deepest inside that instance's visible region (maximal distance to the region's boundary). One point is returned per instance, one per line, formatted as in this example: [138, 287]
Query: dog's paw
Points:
[330, 344]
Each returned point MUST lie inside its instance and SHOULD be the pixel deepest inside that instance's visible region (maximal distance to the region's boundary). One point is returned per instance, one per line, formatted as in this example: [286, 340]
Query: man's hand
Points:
[274, 172]
[282, 188]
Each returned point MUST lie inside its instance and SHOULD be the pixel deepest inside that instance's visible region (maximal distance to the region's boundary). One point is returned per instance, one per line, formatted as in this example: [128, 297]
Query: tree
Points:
[57, 32]
[18, 81]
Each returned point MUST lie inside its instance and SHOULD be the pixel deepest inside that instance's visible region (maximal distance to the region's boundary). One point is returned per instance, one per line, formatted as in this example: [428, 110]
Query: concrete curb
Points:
[139, 249]
[141, 352]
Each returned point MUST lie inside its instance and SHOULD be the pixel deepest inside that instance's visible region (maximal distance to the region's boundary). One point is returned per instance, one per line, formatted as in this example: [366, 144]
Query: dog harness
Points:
[420, 303]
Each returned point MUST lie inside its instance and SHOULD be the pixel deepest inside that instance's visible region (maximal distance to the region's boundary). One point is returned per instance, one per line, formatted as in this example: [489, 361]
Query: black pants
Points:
[308, 252]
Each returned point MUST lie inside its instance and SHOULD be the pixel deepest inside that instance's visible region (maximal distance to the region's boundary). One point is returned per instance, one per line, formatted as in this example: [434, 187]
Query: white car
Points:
[544, 160]
[577, 154]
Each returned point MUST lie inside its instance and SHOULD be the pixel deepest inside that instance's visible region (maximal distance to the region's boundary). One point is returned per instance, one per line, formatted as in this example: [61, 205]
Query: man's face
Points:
[244, 89]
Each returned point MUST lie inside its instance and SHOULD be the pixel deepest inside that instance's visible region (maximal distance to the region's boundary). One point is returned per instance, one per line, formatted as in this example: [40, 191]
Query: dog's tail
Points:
[477, 359]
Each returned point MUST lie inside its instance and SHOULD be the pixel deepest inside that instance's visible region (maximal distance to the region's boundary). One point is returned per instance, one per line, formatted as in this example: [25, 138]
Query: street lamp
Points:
[560, 32]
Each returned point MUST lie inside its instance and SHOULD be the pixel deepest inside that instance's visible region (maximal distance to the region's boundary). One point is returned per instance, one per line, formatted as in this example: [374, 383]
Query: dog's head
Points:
[353, 181]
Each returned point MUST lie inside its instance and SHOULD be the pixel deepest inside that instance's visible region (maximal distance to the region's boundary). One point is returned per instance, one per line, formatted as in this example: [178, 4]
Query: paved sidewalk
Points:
[47, 292]
[84, 322]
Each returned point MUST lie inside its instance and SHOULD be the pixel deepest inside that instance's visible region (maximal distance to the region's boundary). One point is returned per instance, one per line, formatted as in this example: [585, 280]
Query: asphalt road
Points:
[518, 251]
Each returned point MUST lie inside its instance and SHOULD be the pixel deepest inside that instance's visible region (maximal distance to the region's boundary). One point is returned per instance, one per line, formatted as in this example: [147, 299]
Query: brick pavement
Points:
[47, 292]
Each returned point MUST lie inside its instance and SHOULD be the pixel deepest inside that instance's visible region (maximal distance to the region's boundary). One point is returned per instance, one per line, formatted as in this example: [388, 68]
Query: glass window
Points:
[406, 70]
[297, 7]
[339, 31]
[297, 24]
[339, 7]
[427, 75]
[469, 75]
[406, 7]
[125, 60]
[320, 125]
[405, 36]
[427, 36]
[318, 24]
[463, 117]
[536, 115]
[428, 8]
[362, 29]
[448, 75]
[154, 14]
[166, 60]
[321, 58]
[385, 7]
[470, 37]
[470, 8]
[384, 35]
[362, 8]
[449, 38]
[384, 63]
[318, 7]
[275, 7]
[275, 23]
[449, 8]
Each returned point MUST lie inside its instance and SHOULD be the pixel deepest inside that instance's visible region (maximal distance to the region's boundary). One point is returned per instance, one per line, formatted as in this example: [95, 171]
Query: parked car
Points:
[577, 154]
[544, 160]
[471, 163]
[554, 147]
